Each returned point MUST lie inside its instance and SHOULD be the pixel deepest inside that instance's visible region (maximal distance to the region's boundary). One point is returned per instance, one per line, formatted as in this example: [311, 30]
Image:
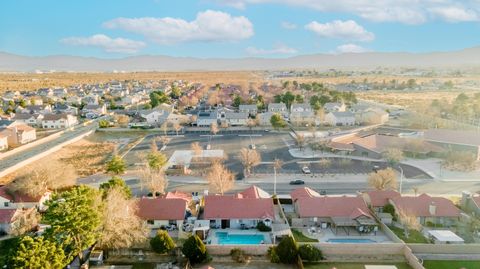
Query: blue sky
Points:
[231, 28]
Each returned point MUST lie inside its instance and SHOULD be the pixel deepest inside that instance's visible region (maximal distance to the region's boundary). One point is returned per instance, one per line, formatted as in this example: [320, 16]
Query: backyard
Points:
[414, 237]
[300, 237]
[451, 264]
[330, 265]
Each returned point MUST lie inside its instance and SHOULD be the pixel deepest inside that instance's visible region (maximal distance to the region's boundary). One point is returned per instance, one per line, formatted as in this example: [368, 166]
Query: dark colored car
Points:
[297, 182]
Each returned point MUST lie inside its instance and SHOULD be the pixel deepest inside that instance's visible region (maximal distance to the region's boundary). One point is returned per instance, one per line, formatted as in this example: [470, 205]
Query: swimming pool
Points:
[225, 238]
[350, 240]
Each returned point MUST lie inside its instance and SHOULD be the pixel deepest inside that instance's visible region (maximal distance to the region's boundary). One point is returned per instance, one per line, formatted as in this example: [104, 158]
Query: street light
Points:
[401, 178]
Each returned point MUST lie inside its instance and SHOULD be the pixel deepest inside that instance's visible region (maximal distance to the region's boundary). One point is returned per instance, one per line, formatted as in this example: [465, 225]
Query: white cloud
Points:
[348, 30]
[288, 25]
[350, 48]
[119, 45]
[208, 26]
[404, 11]
[455, 14]
[278, 49]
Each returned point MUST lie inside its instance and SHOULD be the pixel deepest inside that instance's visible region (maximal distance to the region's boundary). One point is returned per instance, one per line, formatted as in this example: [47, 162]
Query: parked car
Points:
[297, 182]
[207, 147]
[306, 170]
[252, 146]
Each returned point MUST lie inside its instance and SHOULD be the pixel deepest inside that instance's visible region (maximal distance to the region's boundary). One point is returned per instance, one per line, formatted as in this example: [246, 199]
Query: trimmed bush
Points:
[239, 256]
[287, 250]
[262, 227]
[310, 253]
[272, 254]
[194, 249]
[162, 242]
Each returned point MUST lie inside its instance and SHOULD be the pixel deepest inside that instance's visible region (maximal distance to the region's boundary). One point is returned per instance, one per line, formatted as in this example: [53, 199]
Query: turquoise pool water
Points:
[224, 238]
[352, 240]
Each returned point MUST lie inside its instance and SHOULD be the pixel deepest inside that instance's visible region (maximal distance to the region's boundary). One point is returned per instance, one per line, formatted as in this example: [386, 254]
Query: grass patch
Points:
[329, 265]
[415, 236]
[300, 237]
[451, 264]
[6, 246]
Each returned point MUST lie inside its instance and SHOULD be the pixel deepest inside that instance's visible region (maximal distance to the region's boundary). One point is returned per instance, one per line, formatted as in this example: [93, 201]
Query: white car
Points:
[306, 170]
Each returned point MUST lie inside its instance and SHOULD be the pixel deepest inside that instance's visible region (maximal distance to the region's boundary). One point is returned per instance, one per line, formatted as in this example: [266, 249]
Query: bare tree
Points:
[383, 179]
[164, 127]
[43, 177]
[214, 128]
[164, 139]
[25, 221]
[122, 120]
[393, 155]
[300, 141]
[220, 178]
[177, 127]
[121, 227]
[153, 180]
[409, 222]
[252, 123]
[324, 163]
[249, 158]
[196, 149]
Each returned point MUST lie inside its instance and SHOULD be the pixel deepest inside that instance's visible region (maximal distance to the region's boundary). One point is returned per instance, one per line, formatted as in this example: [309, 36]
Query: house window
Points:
[172, 222]
[6, 204]
[150, 221]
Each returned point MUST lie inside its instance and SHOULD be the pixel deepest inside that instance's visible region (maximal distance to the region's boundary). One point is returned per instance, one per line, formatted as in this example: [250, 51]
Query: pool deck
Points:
[323, 235]
[213, 239]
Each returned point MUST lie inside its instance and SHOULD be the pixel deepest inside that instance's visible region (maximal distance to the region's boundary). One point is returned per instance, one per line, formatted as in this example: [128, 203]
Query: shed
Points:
[445, 237]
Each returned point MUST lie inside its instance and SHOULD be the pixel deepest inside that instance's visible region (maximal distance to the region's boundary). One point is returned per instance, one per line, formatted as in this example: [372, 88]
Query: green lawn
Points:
[5, 247]
[415, 236]
[451, 264]
[330, 265]
[300, 237]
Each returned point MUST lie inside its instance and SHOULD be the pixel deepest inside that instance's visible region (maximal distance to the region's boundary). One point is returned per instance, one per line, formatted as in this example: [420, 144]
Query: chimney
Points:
[466, 196]
[432, 209]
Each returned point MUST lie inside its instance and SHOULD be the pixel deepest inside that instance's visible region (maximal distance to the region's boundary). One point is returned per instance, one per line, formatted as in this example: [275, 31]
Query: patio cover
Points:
[280, 229]
[366, 222]
[445, 236]
[344, 222]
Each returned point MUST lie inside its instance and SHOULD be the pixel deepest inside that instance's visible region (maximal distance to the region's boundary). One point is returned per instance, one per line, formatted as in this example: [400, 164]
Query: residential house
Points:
[470, 203]
[337, 212]
[14, 200]
[235, 118]
[10, 219]
[279, 108]
[372, 116]
[64, 108]
[44, 92]
[60, 92]
[91, 99]
[345, 118]
[206, 119]
[242, 210]
[459, 140]
[59, 121]
[264, 118]
[94, 111]
[36, 109]
[428, 210]
[377, 199]
[33, 120]
[74, 100]
[334, 107]
[252, 110]
[154, 117]
[19, 134]
[161, 212]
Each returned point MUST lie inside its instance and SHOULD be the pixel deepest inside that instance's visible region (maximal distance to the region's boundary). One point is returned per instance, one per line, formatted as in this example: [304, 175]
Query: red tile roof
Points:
[380, 198]
[419, 206]
[233, 207]
[180, 195]
[161, 208]
[303, 192]
[18, 197]
[253, 192]
[6, 215]
[329, 206]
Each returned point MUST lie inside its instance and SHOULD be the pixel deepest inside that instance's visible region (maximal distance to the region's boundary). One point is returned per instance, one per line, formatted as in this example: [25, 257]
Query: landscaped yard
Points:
[415, 236]
[451, 264]
[5, 247]
[336, 265]
[300, 237]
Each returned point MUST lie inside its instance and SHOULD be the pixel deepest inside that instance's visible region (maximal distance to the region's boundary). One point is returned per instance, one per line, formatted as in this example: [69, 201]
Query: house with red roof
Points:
[377, 199]
[338, 212]
[10, 218]
[14, 200]
[427, 209]
[242, 210]
[161, 212]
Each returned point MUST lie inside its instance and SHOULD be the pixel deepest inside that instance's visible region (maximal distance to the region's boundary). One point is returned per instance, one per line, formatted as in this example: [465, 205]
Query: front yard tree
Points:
[38, 253]
[162, 242]
[116, 182]
[409, 222]
[177, 127]
[300, 141]
[153, 180]
[310, 253]
[383, 179]
[156, 160]
[121, 227]
[116, 165]
[196, 149]
[220, 178]
[75, 217]
[393, 155]
[249, 158]
[194, 250]
[277, 121]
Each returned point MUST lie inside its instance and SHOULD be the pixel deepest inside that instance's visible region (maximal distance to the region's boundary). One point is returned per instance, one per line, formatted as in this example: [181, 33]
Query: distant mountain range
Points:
[463, 58]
